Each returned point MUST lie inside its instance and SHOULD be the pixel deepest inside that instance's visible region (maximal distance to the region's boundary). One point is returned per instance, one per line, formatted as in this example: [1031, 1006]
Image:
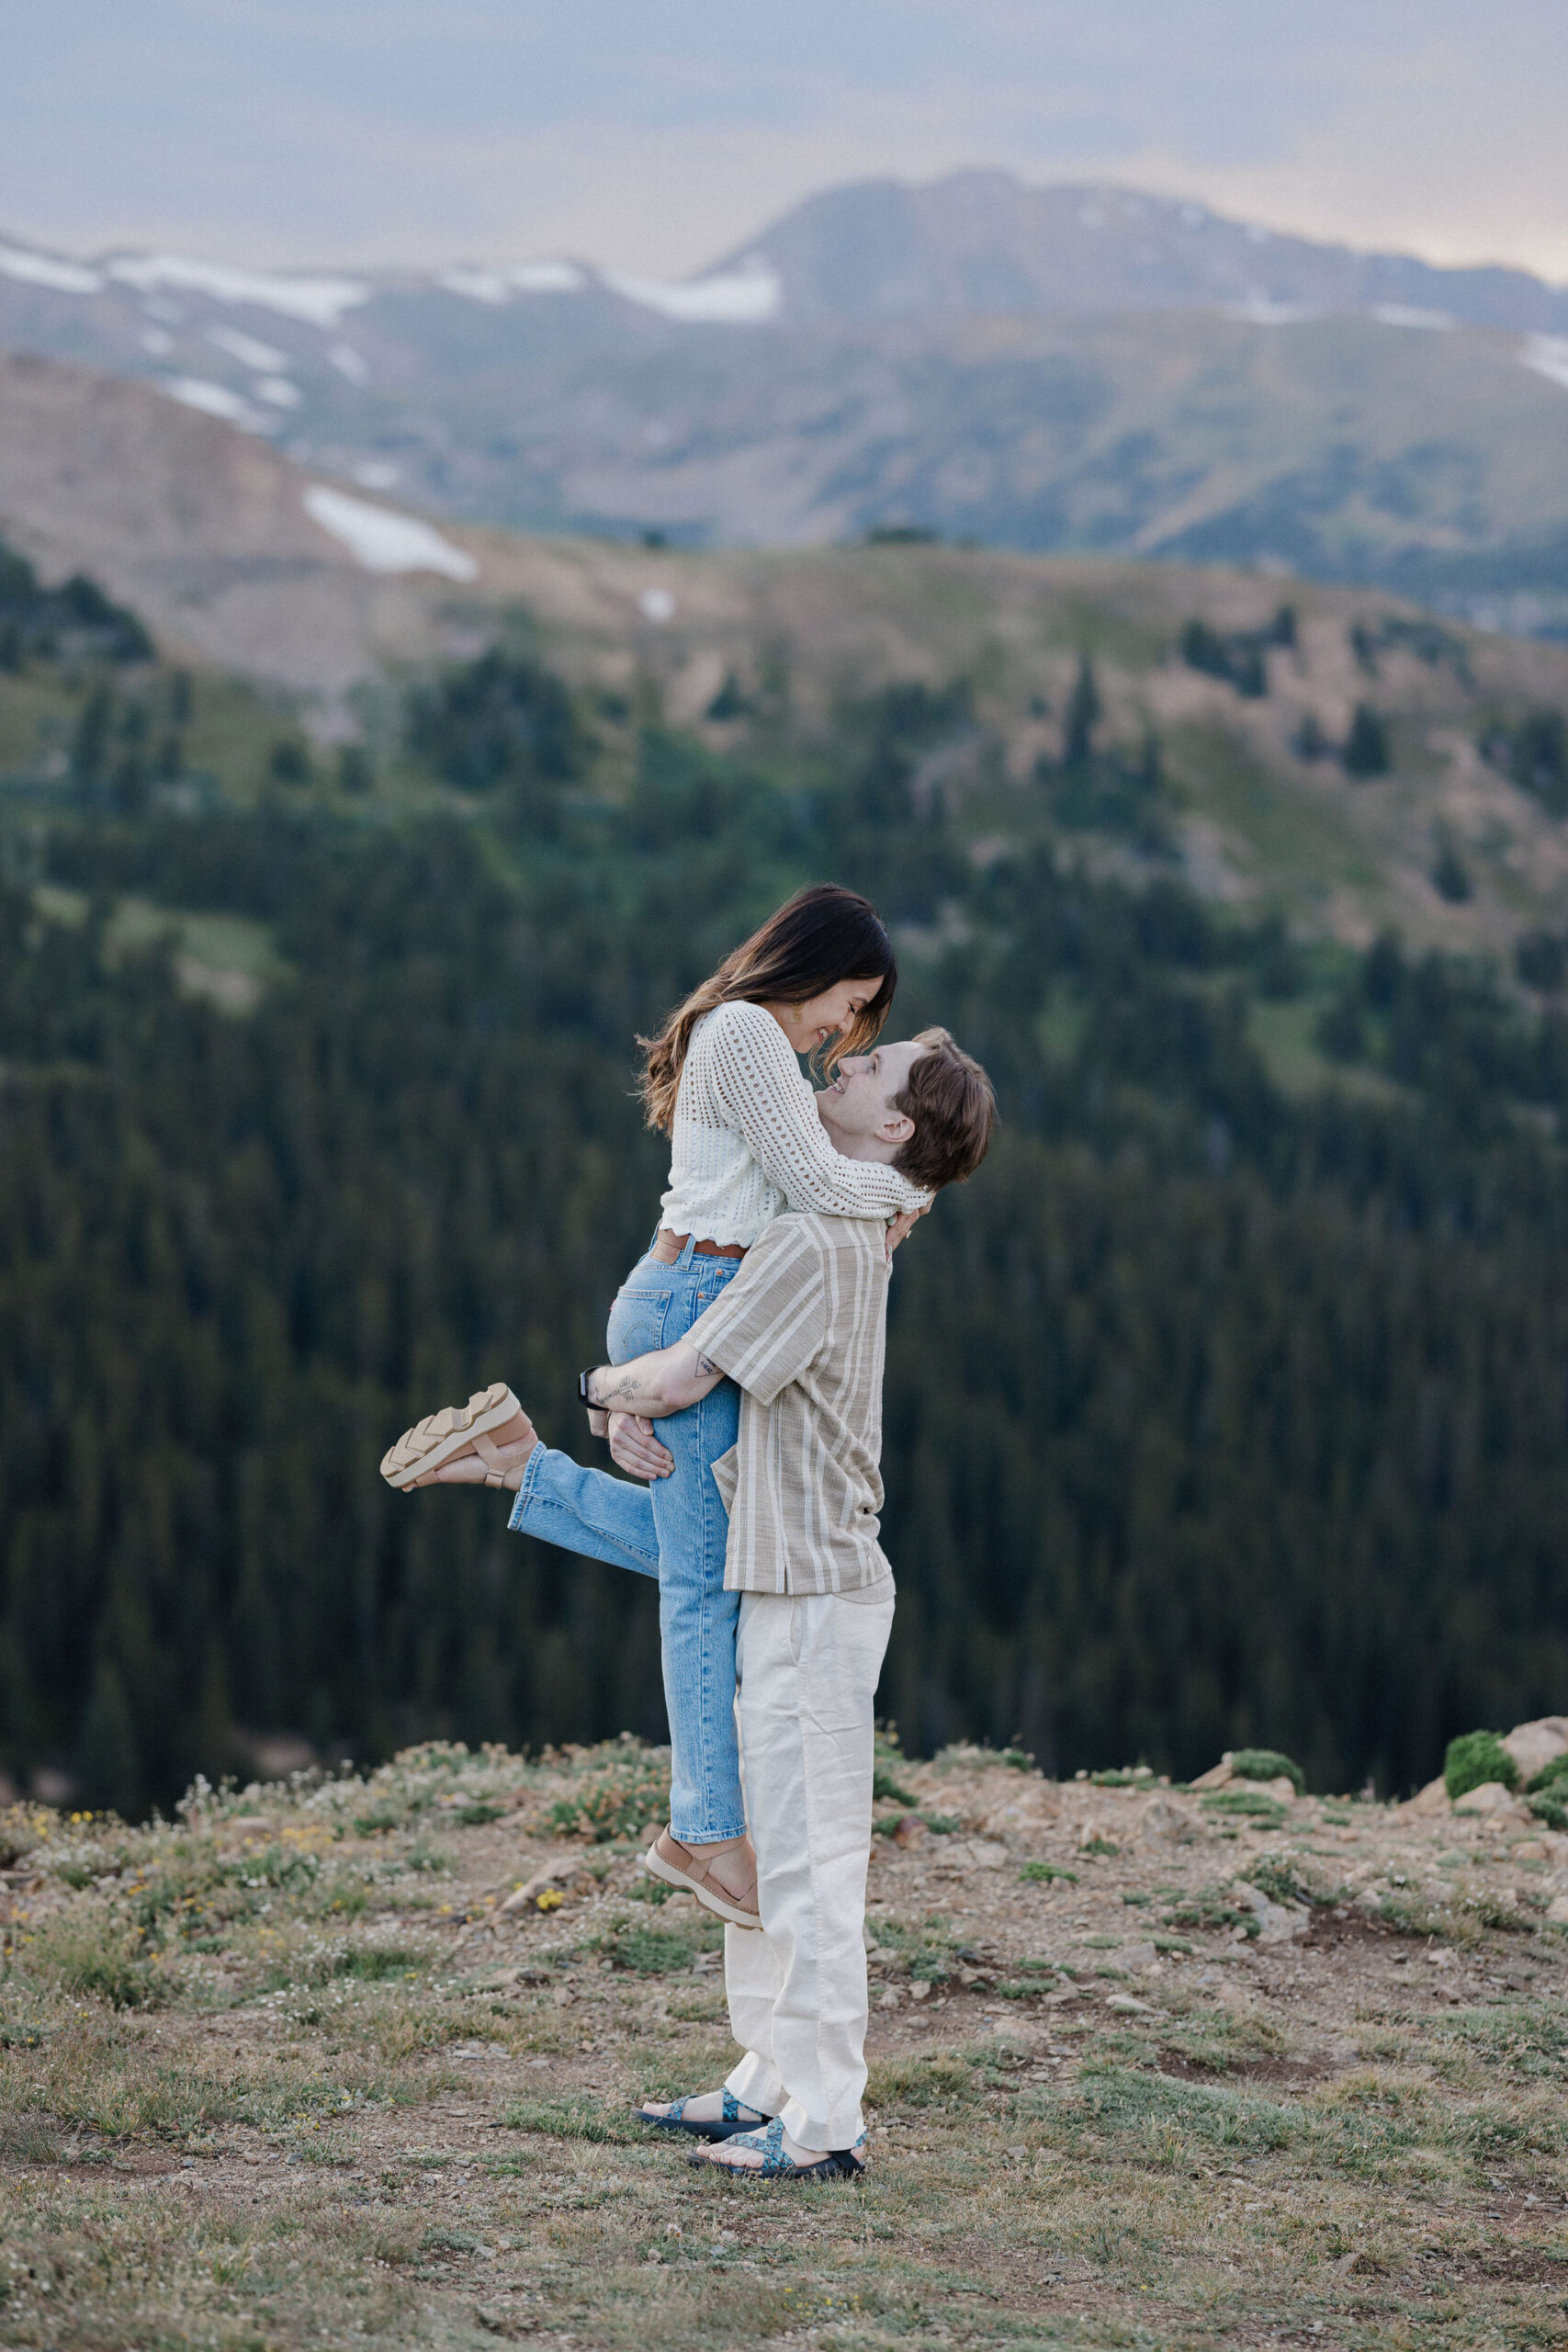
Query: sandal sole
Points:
[851, 2175]
[730, 1911]
[487, 1410]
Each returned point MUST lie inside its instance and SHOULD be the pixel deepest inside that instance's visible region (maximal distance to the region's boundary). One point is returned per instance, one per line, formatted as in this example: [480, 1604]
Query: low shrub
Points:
[1255, 1802]
[1268, 1764]
[22, 1827]
[615, 1803]
[947, 2080]
[104, 1957]
[575, 2119]
[1547, 1776]
[1474, 1758]
[648, 1951]
[1276, 1876]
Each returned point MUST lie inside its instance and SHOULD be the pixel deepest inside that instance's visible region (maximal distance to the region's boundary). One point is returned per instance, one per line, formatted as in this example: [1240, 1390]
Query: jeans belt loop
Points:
[683, 1247]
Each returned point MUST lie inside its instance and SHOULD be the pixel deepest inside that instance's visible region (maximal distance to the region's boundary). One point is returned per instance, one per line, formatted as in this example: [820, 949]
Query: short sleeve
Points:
[769, 1323]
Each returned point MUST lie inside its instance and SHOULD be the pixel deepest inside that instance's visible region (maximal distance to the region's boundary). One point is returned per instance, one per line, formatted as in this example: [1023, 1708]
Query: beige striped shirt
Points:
[802, 1330]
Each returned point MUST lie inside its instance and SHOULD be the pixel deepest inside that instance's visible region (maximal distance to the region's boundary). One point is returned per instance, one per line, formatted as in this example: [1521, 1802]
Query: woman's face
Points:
[812, 1024]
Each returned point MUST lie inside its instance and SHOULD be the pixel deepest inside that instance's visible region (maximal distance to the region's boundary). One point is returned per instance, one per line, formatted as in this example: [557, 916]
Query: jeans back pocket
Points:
[637, 1322]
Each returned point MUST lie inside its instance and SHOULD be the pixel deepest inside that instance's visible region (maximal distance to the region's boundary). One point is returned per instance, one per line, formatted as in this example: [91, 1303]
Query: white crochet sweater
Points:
[748, 1143]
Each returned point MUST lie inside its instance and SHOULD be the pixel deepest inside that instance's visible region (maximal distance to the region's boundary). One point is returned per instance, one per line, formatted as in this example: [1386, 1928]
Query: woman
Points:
[722, 1081]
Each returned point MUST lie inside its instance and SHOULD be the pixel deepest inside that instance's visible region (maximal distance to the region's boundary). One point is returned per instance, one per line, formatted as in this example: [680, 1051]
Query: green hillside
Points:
[1223, 1405]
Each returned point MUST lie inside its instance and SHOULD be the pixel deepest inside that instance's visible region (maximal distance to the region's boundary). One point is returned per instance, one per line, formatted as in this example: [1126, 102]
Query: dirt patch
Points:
[1284, 2073]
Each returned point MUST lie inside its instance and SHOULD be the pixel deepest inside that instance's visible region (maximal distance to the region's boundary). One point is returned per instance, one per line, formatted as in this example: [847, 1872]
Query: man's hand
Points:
[904, 1224]
[636, 1450]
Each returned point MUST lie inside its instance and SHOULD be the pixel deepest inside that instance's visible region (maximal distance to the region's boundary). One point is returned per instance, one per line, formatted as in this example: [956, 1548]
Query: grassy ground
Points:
[1146, 2071]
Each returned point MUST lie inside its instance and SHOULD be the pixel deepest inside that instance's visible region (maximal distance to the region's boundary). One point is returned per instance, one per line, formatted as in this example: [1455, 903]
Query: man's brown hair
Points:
[953, 1106]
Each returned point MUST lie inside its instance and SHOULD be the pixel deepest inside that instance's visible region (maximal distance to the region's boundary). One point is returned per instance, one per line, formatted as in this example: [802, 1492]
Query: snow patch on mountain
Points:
[1409, 314]
[1548, 354]
[499, 286]
[42, 269]
[745, 297]
[212, 400]
[247, 349]
[319, 302]
[379, 540]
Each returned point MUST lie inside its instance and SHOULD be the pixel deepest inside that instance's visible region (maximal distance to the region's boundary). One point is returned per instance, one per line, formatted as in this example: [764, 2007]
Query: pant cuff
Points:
[808, 2131]
[524, 1492]
[758, 2082]
[705, 1833]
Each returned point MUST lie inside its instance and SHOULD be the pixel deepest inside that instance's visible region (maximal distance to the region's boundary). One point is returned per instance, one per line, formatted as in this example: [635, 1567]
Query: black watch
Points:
[582, 1380]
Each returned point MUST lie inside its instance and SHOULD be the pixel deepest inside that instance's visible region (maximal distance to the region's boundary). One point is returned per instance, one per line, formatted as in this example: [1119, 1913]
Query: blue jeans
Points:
[675, 1530]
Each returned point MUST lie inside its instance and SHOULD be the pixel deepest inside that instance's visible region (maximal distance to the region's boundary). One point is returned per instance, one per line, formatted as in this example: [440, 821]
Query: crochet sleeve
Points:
[758, 1091]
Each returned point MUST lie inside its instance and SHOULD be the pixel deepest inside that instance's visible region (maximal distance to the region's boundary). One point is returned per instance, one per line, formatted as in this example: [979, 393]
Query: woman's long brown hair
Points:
[815, 940]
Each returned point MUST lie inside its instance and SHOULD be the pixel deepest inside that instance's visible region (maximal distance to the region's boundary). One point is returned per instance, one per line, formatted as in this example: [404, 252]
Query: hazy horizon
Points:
[261, 133]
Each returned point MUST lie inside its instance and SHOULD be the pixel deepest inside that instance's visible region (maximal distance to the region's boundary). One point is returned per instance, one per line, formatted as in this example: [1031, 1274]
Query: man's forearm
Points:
[655, 1385]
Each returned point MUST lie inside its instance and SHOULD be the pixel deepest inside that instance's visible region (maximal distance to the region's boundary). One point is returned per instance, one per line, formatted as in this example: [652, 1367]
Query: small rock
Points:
[1127, 2005]
[1017, 2152]
[1432, 1799]
[1493, 1798]
[973, 1854]
[1529, 1849]
[1163, 1819]
[1557, 1911]
[1533, 1745]
[1097, 1833]
[1217, 1776]
[919, 1990]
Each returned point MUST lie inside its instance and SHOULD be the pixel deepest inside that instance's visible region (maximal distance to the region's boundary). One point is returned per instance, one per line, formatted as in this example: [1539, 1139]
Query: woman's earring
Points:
[795, 1014]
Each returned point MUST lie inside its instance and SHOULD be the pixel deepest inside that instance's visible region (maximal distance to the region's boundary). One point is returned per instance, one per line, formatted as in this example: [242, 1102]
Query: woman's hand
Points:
[636, 1450]
[904, 1224]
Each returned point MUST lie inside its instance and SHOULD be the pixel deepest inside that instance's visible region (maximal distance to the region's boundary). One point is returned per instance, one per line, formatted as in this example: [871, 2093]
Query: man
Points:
[801, 1331]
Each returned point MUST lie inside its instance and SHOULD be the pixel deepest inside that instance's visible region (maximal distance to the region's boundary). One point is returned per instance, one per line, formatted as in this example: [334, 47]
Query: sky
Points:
[657, 135]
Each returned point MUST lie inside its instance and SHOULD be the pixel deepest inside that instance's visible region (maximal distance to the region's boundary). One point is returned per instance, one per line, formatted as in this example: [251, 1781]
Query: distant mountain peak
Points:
[982, 241]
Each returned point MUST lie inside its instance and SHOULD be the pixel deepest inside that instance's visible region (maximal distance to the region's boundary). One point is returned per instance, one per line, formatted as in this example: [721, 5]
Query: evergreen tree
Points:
[1366, 749]
[111, 1761]
[1083, 715]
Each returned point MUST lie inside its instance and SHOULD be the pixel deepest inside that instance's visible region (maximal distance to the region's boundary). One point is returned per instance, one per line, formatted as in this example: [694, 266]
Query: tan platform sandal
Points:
[492, 1421]
[685, 1867]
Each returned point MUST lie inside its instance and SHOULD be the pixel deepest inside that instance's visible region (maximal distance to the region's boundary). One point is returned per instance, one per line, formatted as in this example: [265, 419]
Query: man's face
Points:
[859, 1101]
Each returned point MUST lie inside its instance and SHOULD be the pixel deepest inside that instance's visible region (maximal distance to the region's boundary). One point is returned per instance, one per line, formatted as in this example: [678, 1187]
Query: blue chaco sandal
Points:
[736, 2119]
[839, 2164]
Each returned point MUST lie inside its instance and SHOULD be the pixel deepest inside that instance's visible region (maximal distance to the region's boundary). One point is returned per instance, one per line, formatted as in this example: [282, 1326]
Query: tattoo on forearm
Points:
[624, 1390]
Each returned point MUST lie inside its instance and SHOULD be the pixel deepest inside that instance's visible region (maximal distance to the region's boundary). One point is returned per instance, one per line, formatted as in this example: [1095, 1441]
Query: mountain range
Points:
[1041, 369]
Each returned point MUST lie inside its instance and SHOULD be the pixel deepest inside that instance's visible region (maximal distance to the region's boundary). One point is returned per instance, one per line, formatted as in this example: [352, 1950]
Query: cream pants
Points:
[806, 1671]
